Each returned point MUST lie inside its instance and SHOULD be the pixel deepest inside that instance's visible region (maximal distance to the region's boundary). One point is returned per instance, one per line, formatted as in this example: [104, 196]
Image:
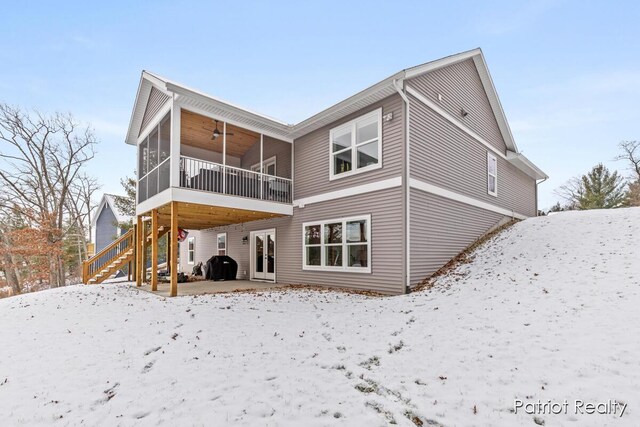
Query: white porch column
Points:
[261, 180]
[224, 157]
[174, 163]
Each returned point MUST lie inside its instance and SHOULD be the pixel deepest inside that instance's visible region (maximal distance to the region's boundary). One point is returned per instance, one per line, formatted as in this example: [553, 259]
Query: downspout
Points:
[398, 84]
[538, 183]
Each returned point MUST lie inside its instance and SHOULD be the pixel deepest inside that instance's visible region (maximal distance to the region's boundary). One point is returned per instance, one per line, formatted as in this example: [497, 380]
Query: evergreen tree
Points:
[127, 204]
[600, 189]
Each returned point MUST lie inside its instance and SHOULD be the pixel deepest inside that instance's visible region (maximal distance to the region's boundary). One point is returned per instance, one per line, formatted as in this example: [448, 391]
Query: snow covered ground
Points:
[550, 309]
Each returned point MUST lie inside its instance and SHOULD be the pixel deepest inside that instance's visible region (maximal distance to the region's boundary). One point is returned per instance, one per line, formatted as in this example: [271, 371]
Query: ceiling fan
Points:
[217, 133]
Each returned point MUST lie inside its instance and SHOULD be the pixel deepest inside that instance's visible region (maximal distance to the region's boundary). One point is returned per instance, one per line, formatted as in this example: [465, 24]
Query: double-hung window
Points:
[222, 243]
[492, 175]
[341, 244]
[191, 250]
[356, 146]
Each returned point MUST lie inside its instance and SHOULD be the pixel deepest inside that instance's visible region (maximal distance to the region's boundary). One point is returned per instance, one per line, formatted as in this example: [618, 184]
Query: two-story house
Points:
[376, 192]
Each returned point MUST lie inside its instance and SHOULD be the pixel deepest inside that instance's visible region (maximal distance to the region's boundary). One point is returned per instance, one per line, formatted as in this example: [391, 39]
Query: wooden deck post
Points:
[154, 250]
[168, 254]
[139, 244]
[145, 252]
[173, 291]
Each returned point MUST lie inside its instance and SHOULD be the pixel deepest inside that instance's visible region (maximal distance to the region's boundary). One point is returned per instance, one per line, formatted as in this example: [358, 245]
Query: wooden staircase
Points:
[114, 257]
[105, 263]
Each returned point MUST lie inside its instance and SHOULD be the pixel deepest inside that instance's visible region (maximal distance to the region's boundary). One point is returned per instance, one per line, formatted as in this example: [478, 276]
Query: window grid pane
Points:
[333, 233]
[368, 154]
[336, 250]
[358, 256]
[346, 142]
[341, 140]
[333, 256]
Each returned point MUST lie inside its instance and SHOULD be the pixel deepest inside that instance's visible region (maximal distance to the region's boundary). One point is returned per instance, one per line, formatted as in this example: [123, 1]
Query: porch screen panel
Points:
[153, 161]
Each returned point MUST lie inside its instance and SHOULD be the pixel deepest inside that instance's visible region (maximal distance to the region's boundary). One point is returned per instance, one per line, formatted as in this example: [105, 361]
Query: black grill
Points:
[221, 267]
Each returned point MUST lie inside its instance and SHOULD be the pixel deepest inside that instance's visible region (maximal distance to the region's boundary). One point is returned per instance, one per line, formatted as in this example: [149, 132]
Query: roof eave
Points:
[337, 110]
[527, 166]
[147, 80]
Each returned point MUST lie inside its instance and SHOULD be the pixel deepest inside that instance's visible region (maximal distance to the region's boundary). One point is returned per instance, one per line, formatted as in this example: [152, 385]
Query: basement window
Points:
[492, 175]
[356, 146]
[338, 245]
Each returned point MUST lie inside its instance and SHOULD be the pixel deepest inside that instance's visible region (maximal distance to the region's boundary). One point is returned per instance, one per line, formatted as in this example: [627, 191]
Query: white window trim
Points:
[344, 267]
[490, 158]
[354, 157]
[191, 241]
[265, 163]
[226, 243]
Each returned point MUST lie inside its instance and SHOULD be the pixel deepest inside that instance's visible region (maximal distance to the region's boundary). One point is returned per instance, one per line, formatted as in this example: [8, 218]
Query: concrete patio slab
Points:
[211, 287]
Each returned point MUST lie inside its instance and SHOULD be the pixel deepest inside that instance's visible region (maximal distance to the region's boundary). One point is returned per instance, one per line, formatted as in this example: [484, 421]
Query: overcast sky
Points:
[568, 73]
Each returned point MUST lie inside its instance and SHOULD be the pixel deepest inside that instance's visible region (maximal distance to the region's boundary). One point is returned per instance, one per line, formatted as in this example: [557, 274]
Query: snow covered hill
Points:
[547, 310]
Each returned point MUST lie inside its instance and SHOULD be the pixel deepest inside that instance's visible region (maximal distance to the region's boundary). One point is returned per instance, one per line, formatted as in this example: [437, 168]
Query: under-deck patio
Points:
[204, 287]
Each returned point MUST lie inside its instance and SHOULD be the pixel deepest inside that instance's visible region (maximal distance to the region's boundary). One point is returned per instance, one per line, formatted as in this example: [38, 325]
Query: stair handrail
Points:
[89, 267]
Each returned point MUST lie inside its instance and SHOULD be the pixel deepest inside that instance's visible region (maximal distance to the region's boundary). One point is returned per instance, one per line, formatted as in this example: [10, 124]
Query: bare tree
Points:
[631, 154]
[81, 205]
[8, 260]
[40, 159]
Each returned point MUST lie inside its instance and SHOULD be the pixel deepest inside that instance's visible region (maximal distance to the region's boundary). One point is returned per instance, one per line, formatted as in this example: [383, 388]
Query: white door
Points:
[263, 255]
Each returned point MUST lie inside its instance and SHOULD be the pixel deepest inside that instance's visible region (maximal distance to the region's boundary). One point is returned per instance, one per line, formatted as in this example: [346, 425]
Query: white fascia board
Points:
[143, 87]
[526, 165]
[300, 128]
[440, 63]
[186, 195]
[451, 195]
[350, 192]
[494, 100]
[159, 82]
[147, 81]
[103, 201]
[222, 200]
[183, 90]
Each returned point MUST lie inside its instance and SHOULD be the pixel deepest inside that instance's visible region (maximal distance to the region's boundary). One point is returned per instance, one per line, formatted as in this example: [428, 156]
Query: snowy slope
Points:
[550, 309]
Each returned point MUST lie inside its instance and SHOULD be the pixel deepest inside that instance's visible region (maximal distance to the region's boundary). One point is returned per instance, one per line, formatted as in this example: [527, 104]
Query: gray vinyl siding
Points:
[106, 228]
[442, 228]
[461, 88]
[156, 100]
[445, 156]
[386, 243]
[270, 147]
[312, 154]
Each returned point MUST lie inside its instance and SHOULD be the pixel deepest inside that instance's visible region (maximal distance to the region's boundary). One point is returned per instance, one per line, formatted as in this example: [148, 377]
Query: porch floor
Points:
[211, 287]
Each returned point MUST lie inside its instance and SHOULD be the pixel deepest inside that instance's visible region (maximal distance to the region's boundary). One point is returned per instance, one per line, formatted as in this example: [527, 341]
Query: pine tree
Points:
[127, 204]
[601, 189]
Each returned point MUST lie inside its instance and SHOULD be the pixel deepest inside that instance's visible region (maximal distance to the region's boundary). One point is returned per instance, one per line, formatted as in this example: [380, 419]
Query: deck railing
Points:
[217, 178]
[108, 255]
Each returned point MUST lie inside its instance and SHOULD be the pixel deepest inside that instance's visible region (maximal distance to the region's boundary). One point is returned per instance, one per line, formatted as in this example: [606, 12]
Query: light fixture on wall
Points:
[463, 112]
